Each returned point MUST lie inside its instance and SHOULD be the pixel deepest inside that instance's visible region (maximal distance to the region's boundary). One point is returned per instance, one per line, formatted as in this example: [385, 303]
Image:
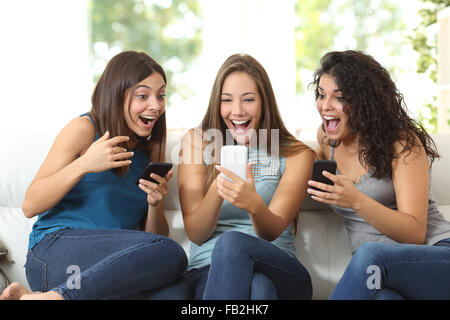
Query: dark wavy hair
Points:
[376, 110]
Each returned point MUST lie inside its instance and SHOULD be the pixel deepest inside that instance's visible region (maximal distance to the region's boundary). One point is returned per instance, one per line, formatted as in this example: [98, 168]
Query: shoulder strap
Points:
[93, 123]
[332, 144]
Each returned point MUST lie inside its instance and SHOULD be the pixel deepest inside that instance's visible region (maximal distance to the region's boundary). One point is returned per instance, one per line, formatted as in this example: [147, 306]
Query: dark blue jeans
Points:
[243, 267]
[103, 264]
[384, 271]
[192, 286]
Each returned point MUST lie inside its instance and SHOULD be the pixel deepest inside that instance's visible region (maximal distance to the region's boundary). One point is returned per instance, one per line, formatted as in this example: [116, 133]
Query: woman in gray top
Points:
[400, 240]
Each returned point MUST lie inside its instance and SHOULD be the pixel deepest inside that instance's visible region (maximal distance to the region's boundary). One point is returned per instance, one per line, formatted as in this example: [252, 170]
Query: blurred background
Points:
[53, 52]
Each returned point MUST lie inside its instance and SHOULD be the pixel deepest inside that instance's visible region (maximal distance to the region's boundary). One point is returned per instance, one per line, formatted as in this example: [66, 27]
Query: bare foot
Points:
[49, 295]
[14, 292]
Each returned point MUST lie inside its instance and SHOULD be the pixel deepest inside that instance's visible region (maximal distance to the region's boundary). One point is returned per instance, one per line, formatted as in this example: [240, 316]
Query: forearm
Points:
[201, 222]
[266, 224]
[399, 226]
[156, 221]
[45, 193]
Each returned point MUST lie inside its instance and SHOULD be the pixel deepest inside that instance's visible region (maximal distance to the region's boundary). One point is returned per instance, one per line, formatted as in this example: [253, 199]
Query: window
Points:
[64, 46]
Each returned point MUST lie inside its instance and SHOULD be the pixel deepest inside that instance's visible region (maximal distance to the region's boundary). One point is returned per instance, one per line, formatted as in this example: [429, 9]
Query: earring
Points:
[148, 138]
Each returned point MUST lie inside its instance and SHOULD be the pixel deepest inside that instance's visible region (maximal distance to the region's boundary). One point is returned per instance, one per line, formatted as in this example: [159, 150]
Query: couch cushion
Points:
[14, 231]
[26, 152]
[440, 178]
[173, 144]
[445, 210]
[176, 229]
[3, 251]
[323, 248]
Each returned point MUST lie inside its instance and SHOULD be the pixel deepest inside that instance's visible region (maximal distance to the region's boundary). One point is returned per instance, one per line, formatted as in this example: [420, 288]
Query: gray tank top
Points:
[382, 190]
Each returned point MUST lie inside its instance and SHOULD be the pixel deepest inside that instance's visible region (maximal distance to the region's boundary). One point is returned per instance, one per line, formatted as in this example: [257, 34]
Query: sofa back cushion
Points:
[440, 177]
[23, 155]
[173, 145]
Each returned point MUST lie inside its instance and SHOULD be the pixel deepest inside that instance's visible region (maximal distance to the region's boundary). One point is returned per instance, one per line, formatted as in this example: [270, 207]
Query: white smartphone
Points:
[234, 158]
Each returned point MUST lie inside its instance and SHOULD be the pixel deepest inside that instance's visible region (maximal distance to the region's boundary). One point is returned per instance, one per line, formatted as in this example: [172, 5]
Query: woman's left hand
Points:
[343, 193]
[240, 192]
[155, 191]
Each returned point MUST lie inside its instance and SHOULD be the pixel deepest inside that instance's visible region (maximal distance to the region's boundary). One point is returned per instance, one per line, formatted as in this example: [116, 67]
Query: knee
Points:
[368, 254]
[229, 244]
[179, 254]
[173, 252]
[230, 240]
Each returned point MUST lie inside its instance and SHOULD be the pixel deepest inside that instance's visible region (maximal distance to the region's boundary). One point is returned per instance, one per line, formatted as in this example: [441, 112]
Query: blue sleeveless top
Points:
[100, 200]
[267, 172]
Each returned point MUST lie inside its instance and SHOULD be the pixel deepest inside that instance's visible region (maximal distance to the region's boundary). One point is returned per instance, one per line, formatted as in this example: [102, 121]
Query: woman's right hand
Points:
[104, 154]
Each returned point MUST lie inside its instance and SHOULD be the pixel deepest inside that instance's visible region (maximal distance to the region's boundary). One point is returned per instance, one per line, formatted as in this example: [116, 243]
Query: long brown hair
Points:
[270, 116]
[122, 73]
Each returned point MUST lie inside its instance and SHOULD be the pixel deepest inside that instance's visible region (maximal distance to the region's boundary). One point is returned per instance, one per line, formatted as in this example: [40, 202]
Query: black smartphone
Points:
[323, 165]
[160, 168]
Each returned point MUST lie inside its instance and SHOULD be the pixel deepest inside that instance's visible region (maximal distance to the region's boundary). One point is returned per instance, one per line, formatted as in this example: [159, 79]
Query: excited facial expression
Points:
[144, 104]
[240, 106]
[330, 104]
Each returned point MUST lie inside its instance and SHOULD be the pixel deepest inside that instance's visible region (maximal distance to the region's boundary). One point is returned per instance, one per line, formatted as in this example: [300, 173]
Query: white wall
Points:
[44, 77]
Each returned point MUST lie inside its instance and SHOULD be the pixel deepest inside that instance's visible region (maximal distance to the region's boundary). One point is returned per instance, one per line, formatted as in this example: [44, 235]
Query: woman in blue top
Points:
[86, 243]
[242, 244]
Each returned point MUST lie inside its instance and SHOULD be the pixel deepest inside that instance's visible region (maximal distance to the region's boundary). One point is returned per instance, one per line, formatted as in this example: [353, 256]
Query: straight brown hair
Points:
[122, 73]
[270, 116]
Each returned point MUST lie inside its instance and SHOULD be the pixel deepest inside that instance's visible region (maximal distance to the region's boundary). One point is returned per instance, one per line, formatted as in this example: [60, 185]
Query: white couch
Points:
[321, 240]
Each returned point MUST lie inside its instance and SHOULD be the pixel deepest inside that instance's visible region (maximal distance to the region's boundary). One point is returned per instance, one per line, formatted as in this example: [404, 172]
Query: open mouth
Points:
[147, 121]
[240, 126]
[331, 123]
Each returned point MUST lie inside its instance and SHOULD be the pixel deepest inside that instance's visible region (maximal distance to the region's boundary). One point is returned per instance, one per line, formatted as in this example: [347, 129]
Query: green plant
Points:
[424, 41]
[428, 115]
[169, 31]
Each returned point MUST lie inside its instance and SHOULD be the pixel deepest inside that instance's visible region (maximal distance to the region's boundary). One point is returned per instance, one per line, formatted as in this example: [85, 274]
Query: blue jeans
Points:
[103, 264]
[192, 286]
[397, 271]
[243, 267]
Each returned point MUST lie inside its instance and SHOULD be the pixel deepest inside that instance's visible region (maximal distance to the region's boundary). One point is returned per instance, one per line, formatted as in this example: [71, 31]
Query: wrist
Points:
[215, 189]
[358, 204]
[257, 205]
[153, 206]
[79, 167]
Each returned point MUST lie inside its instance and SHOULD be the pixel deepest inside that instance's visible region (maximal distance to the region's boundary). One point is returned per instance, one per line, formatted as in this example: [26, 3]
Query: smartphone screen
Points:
[323, 165]
[160, 168]
[234, 158]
